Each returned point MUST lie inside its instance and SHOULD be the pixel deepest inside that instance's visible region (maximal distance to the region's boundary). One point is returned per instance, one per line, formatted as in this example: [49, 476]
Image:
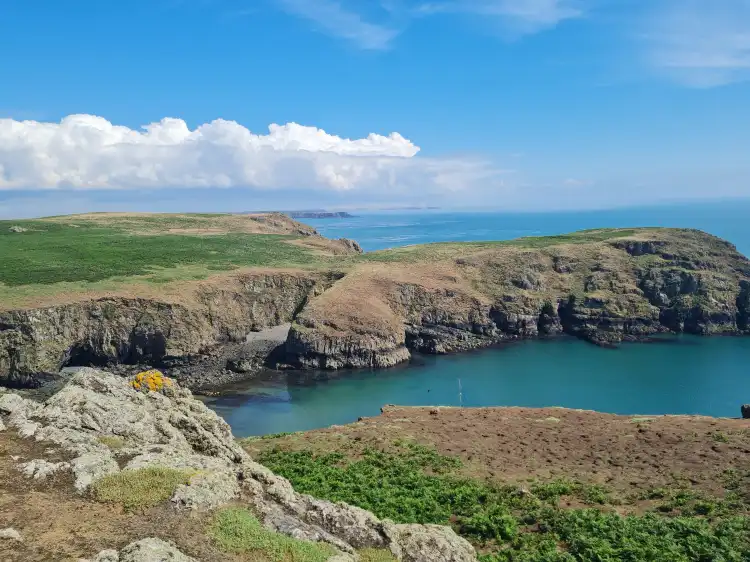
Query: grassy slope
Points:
[554, 521]
[103, 253]
[58, 259]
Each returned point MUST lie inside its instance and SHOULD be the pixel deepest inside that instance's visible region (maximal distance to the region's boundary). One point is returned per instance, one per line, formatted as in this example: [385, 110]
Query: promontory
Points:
[211, 298]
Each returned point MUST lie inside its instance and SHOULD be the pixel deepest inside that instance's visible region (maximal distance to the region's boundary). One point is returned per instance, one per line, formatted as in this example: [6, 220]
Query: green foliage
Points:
[51, 252]
[237, 531]
[139, 489]
[417, 485]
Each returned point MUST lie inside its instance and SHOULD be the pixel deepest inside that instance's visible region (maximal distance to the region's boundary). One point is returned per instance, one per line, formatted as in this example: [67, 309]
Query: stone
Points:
[429, 543]
[172, 429]
[208, 490]
[145, 550]
[107, 556]
[91, 467]
[18, 229]
[745, 409]
[10, 534]
[40, 469]
[152, 550]
[2, 425]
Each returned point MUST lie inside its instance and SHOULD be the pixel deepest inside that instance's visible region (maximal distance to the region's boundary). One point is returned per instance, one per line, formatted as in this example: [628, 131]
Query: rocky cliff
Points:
[603, 286]
[208, 328]
[169, 429]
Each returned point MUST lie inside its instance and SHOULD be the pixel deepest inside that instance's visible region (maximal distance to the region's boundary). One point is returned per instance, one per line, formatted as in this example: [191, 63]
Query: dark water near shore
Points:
[685, 375]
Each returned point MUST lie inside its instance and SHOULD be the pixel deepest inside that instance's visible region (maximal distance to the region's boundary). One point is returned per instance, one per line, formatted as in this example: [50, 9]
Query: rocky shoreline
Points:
[625, 288]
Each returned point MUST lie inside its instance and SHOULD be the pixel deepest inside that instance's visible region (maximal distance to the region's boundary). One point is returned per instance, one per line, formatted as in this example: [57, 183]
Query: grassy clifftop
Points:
[139, 287]
[51, 260]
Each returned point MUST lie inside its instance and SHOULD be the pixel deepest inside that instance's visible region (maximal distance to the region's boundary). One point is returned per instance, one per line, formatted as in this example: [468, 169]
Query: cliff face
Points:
[623, 287]
[601, 286]
[122, 330]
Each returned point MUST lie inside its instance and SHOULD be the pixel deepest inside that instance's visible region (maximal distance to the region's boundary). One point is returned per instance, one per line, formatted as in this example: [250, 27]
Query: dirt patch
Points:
[56, 524]
[628, 454]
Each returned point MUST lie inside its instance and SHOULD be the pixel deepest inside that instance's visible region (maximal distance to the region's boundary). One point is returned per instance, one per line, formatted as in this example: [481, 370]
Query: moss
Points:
[114, 442]
[236, 530]
[141, 488]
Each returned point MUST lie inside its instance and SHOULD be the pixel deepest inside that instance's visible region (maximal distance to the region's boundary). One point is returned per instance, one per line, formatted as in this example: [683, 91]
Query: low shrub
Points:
[416, 485]
[141, 488]
[238, 531]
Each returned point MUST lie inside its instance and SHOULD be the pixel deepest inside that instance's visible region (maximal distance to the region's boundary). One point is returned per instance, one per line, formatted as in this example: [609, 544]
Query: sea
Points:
[675, 375]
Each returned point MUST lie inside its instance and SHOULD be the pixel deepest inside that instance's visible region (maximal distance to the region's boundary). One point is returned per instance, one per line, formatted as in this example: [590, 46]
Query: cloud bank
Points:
[89, 152]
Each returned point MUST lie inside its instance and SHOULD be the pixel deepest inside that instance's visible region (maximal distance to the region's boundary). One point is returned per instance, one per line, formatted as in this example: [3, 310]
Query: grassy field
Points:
[68, 258]
[99, 254]
[536, 524]
[442, 250]
[51, 252]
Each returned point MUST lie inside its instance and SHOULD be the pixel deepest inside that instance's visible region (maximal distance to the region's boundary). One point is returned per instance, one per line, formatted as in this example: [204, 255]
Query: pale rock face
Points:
[10, 534]
[146, 550]
[40, 469]
[171, 429]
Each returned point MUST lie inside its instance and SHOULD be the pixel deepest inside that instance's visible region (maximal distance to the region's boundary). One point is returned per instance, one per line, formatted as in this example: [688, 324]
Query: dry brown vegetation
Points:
[628, 454]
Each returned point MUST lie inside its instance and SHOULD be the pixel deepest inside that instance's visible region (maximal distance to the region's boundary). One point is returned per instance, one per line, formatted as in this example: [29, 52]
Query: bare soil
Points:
[627, 454]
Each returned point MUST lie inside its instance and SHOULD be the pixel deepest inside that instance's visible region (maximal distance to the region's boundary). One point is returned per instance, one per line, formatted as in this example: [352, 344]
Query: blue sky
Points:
[511, 104]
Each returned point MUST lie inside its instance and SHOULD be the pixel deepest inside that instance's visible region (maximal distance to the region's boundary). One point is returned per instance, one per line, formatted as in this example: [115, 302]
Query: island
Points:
[214, 298]
[318, 215]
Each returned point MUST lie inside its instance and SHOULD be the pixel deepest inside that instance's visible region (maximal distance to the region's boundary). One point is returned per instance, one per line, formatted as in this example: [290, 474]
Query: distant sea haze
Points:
[380, 230]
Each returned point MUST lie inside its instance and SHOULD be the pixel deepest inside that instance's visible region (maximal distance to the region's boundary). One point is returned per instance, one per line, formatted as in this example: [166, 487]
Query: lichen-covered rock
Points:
[10, 534]
[145, 550]
[40, 469]
[109, 555]
[171, 429]
[433, 543]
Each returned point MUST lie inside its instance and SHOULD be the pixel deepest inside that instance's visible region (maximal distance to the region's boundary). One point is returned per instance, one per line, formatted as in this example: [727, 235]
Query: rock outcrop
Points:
[171, 429]
[604, 287]
[201, 334]
[145, 550]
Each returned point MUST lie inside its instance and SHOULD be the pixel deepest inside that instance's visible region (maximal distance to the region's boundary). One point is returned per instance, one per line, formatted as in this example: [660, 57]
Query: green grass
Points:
[441, 250]
[417, 485]
[140, 489]
[53, 252]
[236, 530]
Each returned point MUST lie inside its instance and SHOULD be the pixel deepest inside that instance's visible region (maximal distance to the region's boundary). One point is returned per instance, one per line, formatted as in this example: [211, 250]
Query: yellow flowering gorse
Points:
[152, 380]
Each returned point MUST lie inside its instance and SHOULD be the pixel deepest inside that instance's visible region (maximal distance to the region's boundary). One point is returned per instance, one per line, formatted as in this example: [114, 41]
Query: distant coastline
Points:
[318, 215]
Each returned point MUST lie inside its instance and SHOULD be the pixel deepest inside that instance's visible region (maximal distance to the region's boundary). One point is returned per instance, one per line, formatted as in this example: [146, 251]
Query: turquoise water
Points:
[685, 375]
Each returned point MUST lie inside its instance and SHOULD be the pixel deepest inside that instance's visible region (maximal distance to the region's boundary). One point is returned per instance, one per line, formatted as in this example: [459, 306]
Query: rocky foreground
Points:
[168, 428]
[375, 310]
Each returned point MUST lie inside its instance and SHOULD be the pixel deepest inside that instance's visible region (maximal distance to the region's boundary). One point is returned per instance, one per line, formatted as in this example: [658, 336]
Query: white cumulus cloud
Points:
[89, 152]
